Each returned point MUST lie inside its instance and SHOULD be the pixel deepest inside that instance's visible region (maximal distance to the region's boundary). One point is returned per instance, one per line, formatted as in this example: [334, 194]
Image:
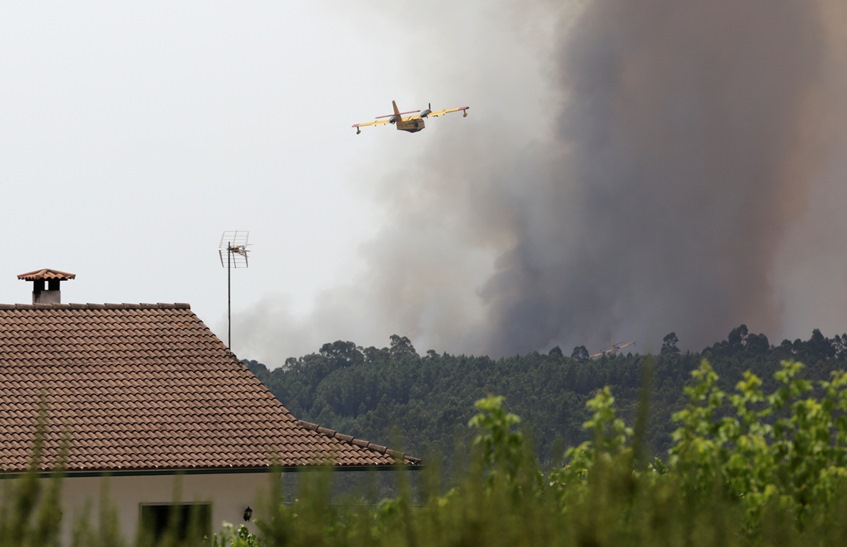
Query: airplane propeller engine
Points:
[427, 111]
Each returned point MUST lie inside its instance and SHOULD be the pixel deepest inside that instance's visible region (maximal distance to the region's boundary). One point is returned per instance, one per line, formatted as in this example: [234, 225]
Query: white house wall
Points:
[229, 495]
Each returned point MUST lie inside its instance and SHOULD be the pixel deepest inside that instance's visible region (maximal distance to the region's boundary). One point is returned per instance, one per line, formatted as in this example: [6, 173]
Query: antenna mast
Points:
[234, 244]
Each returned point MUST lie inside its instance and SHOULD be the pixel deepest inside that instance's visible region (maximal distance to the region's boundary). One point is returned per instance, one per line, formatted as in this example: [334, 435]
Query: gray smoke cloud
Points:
[687, 145]
[682, 178]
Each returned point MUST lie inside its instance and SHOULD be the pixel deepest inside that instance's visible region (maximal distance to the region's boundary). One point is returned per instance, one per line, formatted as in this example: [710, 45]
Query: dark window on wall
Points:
[175, 521]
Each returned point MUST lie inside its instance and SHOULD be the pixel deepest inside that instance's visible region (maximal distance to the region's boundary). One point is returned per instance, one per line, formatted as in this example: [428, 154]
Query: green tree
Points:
[401, 346]
[580, 353]
[669, 344]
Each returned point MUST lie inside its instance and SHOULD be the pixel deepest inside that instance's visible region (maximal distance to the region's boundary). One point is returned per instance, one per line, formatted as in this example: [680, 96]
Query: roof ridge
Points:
[349, 439]
[92, 306]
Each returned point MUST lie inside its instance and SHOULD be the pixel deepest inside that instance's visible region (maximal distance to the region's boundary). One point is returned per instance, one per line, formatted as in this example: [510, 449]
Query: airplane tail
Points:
[396, 110]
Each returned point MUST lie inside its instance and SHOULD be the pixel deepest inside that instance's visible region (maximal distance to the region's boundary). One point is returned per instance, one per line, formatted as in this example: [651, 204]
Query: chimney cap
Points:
[46, 274]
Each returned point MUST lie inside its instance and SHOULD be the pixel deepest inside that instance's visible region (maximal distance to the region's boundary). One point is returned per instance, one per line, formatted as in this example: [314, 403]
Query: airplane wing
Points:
[375, 122]
[401, 113]
[448, 111]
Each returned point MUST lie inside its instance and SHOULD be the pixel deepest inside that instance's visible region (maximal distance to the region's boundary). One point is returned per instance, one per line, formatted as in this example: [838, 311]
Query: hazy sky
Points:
[131, 137]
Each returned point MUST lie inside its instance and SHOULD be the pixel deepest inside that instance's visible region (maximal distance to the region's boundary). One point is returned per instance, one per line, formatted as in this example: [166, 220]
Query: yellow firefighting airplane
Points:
[412, 124]
[612, 350]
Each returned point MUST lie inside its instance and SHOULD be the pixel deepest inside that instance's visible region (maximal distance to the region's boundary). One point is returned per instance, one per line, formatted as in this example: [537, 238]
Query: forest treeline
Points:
[422, 403]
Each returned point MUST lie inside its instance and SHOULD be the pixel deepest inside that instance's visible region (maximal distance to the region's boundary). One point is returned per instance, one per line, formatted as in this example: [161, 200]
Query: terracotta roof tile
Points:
[147, 386]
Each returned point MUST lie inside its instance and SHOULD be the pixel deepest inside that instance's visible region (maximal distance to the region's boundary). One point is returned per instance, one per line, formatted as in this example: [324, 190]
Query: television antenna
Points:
[234, 244]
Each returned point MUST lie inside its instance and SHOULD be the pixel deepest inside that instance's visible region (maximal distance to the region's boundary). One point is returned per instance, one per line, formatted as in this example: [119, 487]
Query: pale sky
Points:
[133, 135]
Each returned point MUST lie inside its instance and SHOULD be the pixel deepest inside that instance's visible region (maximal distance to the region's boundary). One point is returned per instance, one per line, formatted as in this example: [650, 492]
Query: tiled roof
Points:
[145, 387]
[46, 275]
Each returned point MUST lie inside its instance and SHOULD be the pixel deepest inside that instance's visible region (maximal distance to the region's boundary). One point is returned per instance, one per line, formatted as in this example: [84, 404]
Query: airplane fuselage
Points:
[410, 126]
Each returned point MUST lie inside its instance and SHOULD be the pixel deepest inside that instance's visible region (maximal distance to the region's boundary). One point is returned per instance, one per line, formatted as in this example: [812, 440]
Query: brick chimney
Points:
[52, 295]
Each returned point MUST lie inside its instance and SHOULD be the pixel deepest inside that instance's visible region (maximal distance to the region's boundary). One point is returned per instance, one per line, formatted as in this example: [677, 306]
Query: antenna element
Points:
[234, 244]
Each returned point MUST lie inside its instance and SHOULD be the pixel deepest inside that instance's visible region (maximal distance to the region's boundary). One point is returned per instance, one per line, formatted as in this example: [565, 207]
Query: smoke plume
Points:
[680, 179]
[689, 141]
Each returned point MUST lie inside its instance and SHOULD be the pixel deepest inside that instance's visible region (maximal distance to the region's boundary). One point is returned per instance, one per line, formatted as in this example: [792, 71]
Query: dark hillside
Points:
[422, 403]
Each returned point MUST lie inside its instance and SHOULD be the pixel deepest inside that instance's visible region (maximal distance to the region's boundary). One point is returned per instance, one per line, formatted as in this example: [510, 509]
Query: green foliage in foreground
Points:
[746, 467]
